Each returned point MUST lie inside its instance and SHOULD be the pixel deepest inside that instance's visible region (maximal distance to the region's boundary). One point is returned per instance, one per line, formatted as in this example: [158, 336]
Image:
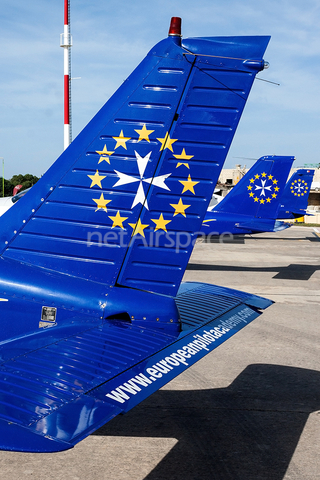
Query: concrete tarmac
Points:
[250, 410]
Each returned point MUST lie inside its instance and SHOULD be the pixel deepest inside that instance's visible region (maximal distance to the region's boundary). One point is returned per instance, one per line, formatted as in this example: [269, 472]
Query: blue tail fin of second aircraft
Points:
[259, 192]
[294, 200]
[136, 183]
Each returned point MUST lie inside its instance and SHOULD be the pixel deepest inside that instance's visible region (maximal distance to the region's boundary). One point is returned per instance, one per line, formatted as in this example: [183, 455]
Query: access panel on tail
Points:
[253, 203]
[93, 316]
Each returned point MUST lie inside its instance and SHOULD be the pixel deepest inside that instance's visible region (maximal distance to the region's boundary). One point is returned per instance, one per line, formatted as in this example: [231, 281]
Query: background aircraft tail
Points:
[294, 200]
[259, 192]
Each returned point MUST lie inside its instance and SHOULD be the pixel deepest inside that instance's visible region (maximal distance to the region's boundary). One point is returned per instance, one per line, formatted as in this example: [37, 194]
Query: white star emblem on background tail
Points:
[125, 179]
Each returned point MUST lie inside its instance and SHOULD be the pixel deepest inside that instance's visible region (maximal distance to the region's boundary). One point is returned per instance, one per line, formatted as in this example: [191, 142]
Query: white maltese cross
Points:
[125, 179]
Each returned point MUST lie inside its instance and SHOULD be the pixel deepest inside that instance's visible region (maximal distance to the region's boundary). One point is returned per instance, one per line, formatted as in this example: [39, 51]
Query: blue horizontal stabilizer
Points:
[262, 225]
[53, 397]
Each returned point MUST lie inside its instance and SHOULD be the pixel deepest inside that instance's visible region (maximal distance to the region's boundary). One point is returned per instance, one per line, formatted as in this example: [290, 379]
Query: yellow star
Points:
[276, 189]
[160, 223]
[268, 200]
[166, 142]
[96, 179]
[270, 177]
[257, 176]
[256, 199]
[118, 220]
[263, 174]
[183, 156]
[249, 187]
[104, 154]
[144, 133]
[251, 194]
[251, 180]
[181, 163]
[101, 202]
[274, 195]
[275, 181]
[179, 208]
[188, 185]
[138, 228]
[121, 140]
[262, 200]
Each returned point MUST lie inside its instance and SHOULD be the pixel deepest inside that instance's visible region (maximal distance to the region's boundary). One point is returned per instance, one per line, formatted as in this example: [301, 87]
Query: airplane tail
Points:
[142, 172]
[82, 338]
[259, 192]
[294, 200]
[252, 205]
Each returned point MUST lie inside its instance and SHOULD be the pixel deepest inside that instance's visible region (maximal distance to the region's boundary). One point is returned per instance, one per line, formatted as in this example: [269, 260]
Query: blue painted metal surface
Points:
[77, 303]
[294, 201]
[88, 284]
[253, 203]
[52, 397]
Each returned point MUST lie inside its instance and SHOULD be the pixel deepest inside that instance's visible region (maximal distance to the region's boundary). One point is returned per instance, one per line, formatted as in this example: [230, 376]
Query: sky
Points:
[111, 37]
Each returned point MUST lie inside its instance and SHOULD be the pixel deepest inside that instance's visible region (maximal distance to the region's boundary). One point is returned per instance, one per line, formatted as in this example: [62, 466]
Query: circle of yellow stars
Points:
[299, 188]
[179, 208]
[256, 191]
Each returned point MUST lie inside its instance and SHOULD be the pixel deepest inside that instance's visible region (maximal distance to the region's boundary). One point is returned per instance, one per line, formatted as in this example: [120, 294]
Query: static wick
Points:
[268, 81]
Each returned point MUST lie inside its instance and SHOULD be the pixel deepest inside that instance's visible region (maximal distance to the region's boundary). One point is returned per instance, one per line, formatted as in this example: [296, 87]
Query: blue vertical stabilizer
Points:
[294, 200]
[143, 170]
[252, 205]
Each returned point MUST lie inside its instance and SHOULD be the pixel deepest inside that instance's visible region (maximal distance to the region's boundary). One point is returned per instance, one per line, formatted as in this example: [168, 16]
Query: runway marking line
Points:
[316, 232]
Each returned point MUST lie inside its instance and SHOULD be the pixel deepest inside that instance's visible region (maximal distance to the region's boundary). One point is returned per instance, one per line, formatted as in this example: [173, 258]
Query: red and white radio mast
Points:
[66, 43]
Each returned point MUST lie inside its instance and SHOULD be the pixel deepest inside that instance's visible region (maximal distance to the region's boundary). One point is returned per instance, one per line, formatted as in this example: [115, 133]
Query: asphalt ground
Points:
[250, 410]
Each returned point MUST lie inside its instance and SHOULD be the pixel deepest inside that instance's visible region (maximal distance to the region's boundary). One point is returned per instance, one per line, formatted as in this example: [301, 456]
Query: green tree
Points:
[8, 188]
[25, 180]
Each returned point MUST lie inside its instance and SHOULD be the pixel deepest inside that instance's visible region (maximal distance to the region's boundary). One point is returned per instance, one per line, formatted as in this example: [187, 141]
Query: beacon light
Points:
[175, 27]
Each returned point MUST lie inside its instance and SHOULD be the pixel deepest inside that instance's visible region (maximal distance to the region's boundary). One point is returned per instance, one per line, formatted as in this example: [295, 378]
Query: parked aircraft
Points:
[294, 200]
[253, 203]
[94, 317]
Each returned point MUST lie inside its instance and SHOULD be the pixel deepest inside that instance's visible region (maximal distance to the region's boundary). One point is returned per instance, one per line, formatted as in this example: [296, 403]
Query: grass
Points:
[302, 224]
